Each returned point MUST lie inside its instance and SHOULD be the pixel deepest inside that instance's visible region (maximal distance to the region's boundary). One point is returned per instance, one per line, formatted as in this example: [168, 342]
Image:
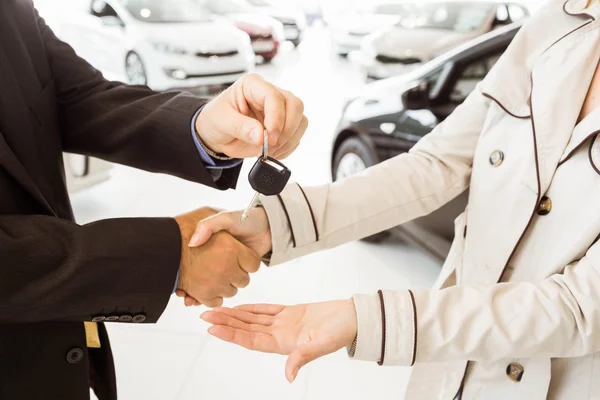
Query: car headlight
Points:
[168, 48]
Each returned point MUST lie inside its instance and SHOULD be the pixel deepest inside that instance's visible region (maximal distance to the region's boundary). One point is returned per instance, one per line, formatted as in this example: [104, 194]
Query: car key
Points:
[267, 177]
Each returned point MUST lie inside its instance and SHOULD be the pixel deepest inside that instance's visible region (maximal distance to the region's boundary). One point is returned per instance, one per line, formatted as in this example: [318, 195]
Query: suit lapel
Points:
[16, 169]
[560, 81]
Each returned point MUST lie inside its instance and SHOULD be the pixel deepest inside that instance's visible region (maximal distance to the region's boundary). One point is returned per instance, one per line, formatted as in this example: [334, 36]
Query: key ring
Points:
[266, 146]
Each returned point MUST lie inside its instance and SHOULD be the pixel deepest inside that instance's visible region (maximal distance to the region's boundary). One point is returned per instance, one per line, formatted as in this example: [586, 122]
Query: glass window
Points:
[471, 75]
[391, 9]
[224, 7]
[101, 9]
[167, 11]
[458, 17]
[517, 12]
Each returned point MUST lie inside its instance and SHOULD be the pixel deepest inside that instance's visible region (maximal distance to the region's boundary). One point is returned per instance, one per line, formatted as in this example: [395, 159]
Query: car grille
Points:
[212, 54]
[290, 24]
[396, 60]
[217, 74]
[357, 34]
[254, 38]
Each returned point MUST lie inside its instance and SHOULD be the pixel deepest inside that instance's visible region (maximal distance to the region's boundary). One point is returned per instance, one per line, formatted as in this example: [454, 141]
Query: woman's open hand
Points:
[304, 332]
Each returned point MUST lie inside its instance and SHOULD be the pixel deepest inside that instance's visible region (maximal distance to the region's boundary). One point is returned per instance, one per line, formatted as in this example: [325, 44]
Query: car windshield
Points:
[390, 9]
[457, 17]
[224, 7]
[166, 11]
[260, 3]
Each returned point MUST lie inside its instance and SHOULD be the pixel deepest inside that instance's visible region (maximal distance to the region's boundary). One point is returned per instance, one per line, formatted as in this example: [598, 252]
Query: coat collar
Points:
[579, 7]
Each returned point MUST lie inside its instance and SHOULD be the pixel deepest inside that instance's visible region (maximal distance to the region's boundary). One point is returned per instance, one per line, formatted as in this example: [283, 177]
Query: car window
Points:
[457, 17]
[224, 7]
[101, 8]
[470, 76]
[517, 12]
[172, 11]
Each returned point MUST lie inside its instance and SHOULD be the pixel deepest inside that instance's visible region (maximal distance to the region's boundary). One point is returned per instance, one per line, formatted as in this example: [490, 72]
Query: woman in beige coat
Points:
[516, 312]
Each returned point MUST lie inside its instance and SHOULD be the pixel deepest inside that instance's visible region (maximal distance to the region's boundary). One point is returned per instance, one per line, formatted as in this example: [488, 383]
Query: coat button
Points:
[138, 319]
[98, 318]
[545, 206]
[497, 158]
[74, 355]
[112, 318]
[125, 318]
[515, 372]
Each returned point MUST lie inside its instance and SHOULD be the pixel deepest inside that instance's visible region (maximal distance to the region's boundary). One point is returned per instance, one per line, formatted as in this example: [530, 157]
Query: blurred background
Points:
[375, 76]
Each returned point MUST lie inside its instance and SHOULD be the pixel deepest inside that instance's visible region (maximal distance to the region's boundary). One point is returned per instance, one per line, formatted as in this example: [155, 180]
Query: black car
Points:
[391, 115]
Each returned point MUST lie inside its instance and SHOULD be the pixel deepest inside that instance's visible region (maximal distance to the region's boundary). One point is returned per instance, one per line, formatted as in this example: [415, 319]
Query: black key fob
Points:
[269, 177]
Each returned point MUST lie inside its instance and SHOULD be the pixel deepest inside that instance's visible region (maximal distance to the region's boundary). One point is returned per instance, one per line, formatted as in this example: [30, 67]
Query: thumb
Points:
[299, 358]
[209, 226]
[246, 129]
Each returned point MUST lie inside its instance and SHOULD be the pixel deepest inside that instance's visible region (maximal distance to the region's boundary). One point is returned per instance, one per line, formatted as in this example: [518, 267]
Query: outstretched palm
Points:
[304, 332]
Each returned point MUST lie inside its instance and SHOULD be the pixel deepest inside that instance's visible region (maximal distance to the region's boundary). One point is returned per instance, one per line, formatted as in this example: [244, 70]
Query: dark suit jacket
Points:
[54, 274]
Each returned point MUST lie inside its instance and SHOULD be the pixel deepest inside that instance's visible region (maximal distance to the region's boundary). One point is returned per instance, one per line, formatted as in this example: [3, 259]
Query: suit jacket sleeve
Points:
[55, 270]
[129, 125]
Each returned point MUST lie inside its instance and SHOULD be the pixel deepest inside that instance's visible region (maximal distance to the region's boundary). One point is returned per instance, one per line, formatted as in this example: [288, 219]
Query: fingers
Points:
[294, 115]
[258, 341]
[191, 302]
[299, 359]
[265, 309]
[216, 302]
[263, 97]
[292, 144]
[217, 317]
[247, 317]
[211, 225]
[249, 261]
[241, 281]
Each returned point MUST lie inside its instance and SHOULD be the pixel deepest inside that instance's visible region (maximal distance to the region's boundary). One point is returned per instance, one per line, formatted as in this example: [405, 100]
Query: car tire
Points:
[135, 69]
[296, 42]
[354, 150]
[267, 60]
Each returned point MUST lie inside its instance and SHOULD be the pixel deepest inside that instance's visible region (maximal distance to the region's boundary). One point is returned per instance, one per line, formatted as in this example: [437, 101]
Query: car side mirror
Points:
[113, 21]
[417, 97]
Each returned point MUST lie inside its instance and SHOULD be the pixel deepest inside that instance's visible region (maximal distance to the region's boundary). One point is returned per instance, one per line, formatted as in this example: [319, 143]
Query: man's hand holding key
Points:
[252, 117]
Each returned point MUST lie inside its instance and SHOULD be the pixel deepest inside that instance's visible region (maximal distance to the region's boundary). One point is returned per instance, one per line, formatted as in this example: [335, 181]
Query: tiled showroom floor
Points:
[176, 359]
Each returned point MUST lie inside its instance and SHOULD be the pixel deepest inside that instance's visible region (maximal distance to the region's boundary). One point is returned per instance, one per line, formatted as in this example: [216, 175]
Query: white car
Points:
[266, 33]
[351, 27]
[292, 18]
[160, 43]
[430, 30]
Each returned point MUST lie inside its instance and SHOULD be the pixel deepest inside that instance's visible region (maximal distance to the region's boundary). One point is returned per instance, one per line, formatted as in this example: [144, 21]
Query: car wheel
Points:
[353, 156]
[135, 70]
[267, 60]
[296, 42]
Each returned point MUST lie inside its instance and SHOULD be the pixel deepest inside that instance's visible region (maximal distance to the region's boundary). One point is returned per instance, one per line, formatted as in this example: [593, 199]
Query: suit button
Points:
[125, 318]
[112, 318]
[497, 158]
[545, 206]
[98, 318]
[74, 355]
[138, 319]
[515, 372]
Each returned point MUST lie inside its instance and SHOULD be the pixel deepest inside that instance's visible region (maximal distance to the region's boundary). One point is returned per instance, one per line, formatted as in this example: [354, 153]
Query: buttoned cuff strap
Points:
[387, 329]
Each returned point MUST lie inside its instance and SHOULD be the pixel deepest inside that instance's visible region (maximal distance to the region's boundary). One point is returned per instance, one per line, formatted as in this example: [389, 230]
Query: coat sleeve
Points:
[55, 270]
[436, 170]
[556, 318]
[130, 125]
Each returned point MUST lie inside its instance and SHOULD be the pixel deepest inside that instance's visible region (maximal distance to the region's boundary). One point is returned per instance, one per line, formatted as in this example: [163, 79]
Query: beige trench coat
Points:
[520, 290]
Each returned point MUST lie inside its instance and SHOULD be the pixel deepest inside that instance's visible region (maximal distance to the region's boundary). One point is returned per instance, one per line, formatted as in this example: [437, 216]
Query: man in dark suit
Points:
[58, 280]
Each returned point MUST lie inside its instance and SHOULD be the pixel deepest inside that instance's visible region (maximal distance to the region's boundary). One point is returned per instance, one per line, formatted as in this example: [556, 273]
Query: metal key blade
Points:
[250, 207]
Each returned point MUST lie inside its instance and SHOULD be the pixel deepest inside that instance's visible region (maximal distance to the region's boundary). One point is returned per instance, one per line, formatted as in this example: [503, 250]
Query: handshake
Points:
[219, 253]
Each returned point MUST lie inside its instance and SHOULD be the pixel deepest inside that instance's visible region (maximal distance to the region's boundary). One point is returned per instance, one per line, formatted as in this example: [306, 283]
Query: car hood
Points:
[283, 14]
[424, 44]
[254, 24]
[364, 24]
[213, 36]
